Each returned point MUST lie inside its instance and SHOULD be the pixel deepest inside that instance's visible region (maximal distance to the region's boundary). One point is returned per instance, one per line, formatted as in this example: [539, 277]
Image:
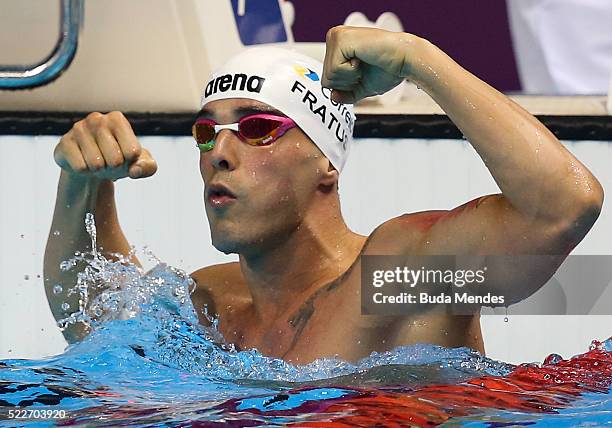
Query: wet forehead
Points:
[235, 108]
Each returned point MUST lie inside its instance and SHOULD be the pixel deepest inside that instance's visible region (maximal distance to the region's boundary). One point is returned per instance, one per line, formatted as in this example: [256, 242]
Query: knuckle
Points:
[94, 116]
[117, 118]
[115, 115]
[333, 32]
[96, 164]
[131, 156]
[331, 77]
[80, 131]
[101, 133]
[79, 126]
[80, 167]
[132, 152]
[115, 162]
[331, 73]
[94, 120]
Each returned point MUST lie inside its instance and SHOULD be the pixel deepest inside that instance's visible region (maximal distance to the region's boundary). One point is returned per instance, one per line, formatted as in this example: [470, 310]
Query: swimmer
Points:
[273, 136]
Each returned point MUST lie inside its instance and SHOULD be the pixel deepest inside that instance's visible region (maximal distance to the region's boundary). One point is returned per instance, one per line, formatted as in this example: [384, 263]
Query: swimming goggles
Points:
[255, 130]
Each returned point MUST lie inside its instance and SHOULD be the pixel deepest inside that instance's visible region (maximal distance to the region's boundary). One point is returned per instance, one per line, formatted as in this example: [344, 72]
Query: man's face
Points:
[272, 185]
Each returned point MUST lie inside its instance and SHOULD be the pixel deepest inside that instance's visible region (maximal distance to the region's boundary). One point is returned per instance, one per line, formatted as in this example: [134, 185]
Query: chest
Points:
[329, 323]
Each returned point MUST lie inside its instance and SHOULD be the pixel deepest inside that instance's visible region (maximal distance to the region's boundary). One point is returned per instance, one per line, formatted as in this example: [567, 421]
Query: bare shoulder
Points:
[218, 286]
[405, 233]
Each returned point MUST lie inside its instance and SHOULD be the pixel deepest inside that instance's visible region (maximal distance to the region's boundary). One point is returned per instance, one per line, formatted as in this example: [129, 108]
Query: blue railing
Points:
[30, 76]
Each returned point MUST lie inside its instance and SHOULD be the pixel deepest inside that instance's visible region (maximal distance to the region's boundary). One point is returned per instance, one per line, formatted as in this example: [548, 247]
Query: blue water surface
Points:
[148, 362]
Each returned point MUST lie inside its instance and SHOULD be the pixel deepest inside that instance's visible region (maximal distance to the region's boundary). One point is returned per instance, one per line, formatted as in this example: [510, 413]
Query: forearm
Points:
[76, 196]
[539, 177]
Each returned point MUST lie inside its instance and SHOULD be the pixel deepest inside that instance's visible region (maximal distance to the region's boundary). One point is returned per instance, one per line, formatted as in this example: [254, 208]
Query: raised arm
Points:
[549, 199]
[94, 153]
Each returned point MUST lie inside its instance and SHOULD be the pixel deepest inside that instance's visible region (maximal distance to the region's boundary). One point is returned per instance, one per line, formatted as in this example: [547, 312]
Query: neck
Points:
[318, 251]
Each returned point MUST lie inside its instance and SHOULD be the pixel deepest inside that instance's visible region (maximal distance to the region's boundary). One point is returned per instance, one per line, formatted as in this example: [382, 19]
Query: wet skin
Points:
[325, 322]
[295, 293]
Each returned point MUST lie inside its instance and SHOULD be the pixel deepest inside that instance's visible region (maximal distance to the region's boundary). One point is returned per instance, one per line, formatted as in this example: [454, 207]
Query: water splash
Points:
[118, 289]
[149, 356]
[158, 301]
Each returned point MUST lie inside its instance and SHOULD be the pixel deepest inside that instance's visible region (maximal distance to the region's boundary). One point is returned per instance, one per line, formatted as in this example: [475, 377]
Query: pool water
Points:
[148, 362]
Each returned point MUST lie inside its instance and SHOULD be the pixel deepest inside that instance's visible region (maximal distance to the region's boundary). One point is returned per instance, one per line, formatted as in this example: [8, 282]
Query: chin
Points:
[224, 248]
[247, 241]
[225, 245]
[230, 242]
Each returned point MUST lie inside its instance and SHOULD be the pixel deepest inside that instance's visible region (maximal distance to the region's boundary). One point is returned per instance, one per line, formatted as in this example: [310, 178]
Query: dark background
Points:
[475, 33]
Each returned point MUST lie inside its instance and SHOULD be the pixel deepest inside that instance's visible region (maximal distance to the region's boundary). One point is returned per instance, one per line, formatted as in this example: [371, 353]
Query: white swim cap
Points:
[289, 82]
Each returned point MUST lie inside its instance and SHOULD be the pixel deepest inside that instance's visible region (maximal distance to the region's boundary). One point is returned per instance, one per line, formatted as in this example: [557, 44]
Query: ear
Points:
[330, 177]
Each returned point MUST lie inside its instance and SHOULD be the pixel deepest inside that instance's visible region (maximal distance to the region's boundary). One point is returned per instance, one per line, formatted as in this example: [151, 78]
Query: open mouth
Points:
[219, 195]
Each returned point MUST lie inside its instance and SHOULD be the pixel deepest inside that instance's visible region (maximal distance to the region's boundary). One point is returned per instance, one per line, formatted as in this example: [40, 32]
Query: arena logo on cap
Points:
[306, 72]
[234, 82]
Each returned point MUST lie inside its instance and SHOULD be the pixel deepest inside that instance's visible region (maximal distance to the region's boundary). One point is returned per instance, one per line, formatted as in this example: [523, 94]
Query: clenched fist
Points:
[362, 62]
[104, 146]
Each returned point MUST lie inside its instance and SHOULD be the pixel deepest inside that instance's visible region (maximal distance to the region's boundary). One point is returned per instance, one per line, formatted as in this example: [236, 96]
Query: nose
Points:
[223, 155]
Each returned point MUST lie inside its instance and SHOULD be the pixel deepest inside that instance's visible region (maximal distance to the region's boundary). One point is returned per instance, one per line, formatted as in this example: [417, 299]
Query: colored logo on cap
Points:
[306, 72]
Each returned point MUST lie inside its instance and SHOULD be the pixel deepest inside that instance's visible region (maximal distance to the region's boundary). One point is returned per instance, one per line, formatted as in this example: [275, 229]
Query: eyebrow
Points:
[243, 111]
